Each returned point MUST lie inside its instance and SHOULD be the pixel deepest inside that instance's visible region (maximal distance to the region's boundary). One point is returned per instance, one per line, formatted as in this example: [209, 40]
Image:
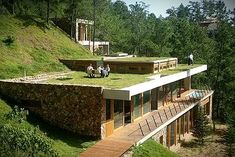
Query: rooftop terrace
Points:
[116, 80]
[138, 59]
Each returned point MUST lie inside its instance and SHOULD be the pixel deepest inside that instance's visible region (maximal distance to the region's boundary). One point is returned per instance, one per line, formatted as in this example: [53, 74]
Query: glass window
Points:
[182, 125]
[146, 102]
[137, 106]
[186, 122]
[175, 90]
[167, 92]
[108, 109]
[118, 113]
[172, 133]
[160, 96]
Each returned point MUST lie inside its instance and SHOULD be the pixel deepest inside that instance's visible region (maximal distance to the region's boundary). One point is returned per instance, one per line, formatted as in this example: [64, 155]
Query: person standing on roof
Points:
[190, 59]
[107, 69]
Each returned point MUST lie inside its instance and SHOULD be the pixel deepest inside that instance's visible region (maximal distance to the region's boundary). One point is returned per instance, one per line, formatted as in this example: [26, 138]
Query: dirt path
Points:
[214, 146]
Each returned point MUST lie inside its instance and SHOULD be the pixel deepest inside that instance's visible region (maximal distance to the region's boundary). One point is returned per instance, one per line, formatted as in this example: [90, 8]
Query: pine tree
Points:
[201, 125]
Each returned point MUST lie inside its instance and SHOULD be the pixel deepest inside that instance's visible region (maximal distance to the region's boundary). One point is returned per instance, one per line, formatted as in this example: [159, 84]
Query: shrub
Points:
[17, 114]
[24, 142]
[9, 40]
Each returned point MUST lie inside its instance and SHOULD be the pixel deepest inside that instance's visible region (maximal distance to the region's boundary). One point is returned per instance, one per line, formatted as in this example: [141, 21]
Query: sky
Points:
[159, 7]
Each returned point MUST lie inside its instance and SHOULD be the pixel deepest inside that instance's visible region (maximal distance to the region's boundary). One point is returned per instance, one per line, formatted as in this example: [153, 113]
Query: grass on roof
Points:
[179, 68]
[139, 59]
[114, 81]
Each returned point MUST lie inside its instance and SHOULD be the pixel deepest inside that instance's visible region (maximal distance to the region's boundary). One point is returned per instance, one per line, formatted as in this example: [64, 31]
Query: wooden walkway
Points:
[108, 148]
[124, 138]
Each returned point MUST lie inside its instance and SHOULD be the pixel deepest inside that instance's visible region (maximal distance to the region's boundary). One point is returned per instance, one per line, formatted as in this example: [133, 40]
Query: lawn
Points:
[115, 80]
[151, 148]
[139, 59]
[179, 68]
[28, 44]
[65, 143]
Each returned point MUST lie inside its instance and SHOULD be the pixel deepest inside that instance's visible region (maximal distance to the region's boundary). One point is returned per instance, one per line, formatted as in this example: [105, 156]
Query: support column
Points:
[187, 83]
[142, 104]
[76, 31]
[210, 103]
[86, 32]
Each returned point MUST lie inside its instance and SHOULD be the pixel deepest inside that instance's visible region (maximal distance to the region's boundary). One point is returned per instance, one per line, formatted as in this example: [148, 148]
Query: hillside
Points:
[27, 44]
[151, 148]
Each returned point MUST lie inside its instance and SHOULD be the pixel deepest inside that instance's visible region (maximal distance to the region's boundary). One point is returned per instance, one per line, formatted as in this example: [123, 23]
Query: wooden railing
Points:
[160, 117]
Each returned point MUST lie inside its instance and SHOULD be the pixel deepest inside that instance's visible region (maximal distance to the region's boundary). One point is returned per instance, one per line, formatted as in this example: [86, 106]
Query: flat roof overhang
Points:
[128, 92]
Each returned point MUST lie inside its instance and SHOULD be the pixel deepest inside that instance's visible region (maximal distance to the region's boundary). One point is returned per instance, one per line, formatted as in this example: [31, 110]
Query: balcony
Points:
[150, 124]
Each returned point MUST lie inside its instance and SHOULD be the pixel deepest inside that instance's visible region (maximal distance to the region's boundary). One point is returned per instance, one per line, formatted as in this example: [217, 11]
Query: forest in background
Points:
[135, 30]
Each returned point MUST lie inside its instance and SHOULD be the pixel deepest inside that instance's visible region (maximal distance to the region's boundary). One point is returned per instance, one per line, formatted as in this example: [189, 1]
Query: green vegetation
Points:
[29, 47]
[35, 130]
[140, 59]
[151, 148]
[201, 127]
[115, 80]
[179, 68]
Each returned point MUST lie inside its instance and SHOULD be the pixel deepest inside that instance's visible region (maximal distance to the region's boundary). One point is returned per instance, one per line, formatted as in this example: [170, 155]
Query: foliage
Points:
[8, 40]
[23, 142]
[230, 141]
[151, 148]
[63, 142]
[201, 125]
[17, 114]
[36, 49]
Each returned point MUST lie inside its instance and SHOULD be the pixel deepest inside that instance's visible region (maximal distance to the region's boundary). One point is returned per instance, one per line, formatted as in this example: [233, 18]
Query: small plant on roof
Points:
[9, 40]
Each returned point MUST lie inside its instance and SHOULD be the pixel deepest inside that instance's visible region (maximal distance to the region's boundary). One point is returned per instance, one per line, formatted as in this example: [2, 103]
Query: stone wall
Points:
[74, 108]
[79, 65]
[157, 136]
[116, 66]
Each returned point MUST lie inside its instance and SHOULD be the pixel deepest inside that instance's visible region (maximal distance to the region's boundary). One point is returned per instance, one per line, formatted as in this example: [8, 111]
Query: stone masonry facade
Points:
[71, 107]
[162, 133]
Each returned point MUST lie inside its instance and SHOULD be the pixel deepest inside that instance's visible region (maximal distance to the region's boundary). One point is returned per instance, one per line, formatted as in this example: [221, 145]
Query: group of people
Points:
[103, 72]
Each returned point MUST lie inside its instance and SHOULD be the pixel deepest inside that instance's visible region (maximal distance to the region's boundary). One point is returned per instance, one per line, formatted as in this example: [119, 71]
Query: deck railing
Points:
[160, 117]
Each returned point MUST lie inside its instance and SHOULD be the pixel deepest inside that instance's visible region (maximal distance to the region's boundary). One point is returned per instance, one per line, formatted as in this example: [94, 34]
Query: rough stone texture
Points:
[163, 133]
[140, 67]
[129, 153]
[79, 65]
[74, 108]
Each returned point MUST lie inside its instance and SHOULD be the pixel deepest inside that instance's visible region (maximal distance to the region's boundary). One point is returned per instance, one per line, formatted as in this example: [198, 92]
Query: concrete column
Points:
[76, 31]
[187, 83]
[81, 32]
[85, 32]
[210, 103]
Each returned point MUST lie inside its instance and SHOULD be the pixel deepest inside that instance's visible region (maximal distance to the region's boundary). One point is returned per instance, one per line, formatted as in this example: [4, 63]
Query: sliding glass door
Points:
[118, 114]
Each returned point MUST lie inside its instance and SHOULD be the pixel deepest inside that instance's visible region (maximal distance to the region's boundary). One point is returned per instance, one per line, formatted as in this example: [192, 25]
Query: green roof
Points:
[115, 80]
[139, 59]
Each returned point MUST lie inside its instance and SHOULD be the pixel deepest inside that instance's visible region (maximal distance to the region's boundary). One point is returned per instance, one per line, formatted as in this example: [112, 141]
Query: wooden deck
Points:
[107, 148]
[122, 139]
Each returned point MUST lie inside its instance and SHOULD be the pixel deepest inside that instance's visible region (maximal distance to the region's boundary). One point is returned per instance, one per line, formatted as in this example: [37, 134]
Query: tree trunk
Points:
[13, 7]
[48, 11]
[94, 19]
[71, 27]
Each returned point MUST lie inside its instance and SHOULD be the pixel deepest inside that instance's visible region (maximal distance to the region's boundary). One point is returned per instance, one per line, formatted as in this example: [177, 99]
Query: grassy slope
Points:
[36, 48]
[151, 148]
[67, 144]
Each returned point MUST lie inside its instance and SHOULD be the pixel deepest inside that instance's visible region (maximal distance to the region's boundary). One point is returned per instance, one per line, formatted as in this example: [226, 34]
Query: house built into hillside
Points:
[142, 98]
